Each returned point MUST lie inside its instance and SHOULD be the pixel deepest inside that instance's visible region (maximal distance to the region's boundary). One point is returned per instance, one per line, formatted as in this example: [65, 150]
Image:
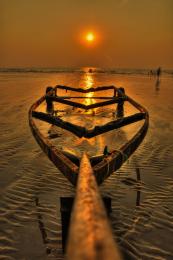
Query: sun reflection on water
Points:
[88, 82]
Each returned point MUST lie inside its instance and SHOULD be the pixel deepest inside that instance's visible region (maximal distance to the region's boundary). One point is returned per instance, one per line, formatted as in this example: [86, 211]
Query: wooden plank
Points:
[83, 106]
[114, 161]
[115, 124]
[102, 168]
[90, 236]
[105, 103]
[67, 102]
[77, 130]
[82, 131]
[120, 107]
[84, 97]
[65, 165]
[82, 90]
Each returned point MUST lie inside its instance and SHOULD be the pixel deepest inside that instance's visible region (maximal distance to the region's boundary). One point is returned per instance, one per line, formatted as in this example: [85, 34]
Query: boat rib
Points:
[102, 165]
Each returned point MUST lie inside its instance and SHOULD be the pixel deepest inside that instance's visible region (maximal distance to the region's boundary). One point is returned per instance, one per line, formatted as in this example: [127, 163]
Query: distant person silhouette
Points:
[158, 72]
[150, 73]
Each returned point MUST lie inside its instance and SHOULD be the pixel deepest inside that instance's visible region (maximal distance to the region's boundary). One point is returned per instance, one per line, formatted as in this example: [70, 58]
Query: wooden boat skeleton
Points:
[102, 165]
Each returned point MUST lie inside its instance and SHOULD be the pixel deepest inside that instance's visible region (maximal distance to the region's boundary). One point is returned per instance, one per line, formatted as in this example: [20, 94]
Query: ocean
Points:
[31, 186]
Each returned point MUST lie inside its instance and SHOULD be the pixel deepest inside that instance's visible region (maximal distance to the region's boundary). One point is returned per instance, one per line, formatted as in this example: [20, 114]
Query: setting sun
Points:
[90, 37]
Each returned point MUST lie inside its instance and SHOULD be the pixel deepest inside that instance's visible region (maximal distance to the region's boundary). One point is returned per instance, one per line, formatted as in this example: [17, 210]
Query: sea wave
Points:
[84, 70]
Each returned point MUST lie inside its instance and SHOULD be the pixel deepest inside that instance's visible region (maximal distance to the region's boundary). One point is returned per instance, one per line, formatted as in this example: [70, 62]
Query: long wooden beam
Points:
[83, 106]
[84, 97]
[69, 169]
[102, 168]
[115, 124]
[85, 90]
[90, 236]
[82, 131]
[54, 120]
[114, 161]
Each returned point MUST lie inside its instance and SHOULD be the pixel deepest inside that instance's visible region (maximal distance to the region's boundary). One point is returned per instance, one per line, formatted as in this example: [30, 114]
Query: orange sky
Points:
[48, 33]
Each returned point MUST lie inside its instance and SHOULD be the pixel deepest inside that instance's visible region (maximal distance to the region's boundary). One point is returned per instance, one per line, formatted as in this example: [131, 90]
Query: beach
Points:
[31, 186]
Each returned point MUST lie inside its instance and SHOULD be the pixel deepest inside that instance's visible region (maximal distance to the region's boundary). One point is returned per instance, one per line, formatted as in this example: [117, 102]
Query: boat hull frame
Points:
[110, 163]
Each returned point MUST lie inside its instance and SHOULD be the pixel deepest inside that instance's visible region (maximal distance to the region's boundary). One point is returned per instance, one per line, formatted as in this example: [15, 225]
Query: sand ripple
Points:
[142, 213]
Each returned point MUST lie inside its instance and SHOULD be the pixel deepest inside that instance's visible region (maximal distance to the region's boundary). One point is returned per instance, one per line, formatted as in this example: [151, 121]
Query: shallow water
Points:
[142, 216]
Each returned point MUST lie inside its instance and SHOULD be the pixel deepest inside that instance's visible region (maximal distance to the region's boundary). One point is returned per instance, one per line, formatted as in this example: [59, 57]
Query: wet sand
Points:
[30, 185]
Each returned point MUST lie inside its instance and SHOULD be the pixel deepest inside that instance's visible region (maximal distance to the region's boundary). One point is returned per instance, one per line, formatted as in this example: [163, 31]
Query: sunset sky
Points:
[50, 33]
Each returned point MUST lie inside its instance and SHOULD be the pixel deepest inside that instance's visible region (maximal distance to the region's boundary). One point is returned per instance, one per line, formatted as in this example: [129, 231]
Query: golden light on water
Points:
[89, 100]
[88, 80]
[89, 83]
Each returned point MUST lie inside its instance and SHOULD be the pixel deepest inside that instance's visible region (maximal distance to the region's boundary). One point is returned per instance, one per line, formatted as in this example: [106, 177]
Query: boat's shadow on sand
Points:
[66, 205]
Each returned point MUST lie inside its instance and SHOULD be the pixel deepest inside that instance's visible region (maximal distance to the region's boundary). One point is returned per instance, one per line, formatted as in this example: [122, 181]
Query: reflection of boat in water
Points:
[105, 164]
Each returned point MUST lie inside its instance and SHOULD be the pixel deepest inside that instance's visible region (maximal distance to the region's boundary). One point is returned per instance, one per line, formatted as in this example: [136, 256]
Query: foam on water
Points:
[142, 213]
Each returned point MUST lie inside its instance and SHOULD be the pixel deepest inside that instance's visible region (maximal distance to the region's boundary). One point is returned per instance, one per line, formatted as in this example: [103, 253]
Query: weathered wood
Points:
[77, 130]
[66, 205]
[114, 161]
[137, 105]
[65, 165]
[120, 107]
[102, 167]
[90, 236]
[86, 107]
[114, 125]
[82, 90]
[93, 160]
[104, 103]
[49, 92]
[84, 97]
[82, 131]
[67, 102]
